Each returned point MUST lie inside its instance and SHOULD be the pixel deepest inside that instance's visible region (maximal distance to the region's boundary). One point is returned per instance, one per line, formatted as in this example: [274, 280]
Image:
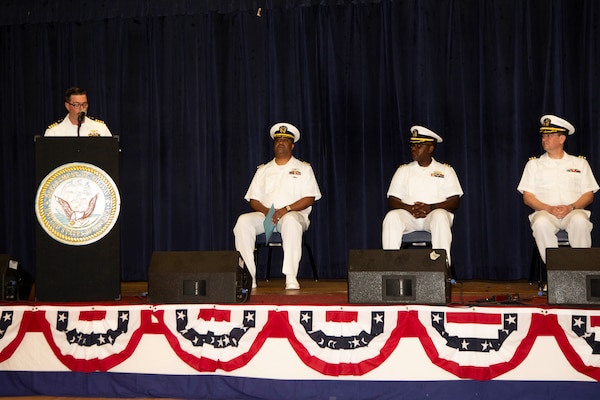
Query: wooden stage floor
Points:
[328, 291]
[325, 292]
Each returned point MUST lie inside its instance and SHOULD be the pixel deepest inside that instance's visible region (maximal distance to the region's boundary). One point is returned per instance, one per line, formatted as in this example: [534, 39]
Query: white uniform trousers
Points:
[398, 222]
[291, 226]
[544, 227]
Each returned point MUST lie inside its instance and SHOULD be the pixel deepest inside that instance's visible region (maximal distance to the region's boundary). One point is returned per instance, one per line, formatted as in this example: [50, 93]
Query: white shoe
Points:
[291, 284]
[253, 284]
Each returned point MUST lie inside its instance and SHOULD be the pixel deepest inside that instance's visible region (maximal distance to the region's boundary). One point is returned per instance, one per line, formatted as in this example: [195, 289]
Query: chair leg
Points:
[256, 257]
[268, 272]
[312, 262]
[537, 264]
[453, 272]
[533, 265]
[269, 256]
[541, 278]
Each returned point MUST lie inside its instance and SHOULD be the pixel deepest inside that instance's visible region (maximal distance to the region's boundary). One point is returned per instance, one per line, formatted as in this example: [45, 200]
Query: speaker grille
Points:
[399, 287]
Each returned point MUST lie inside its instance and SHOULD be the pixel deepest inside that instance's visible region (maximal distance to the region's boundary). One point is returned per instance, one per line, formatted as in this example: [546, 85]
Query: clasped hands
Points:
[560, 211]
[420, 210]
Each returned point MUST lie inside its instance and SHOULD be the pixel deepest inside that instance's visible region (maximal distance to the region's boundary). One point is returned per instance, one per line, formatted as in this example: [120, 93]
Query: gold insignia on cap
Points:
[283, 132]
[415, 132]
[546, 122]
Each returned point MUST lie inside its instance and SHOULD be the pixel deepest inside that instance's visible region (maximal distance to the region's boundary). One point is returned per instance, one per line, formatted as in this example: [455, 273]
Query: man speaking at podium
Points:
[77, 122]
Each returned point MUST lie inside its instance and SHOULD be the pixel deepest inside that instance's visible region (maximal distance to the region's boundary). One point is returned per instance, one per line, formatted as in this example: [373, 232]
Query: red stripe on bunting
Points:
[595, 321]
[473, 318]
[217, 315]
[94, 315]
[341, 316]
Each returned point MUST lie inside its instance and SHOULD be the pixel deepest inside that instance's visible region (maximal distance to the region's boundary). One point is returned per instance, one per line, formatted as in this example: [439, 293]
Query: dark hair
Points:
[73, 91]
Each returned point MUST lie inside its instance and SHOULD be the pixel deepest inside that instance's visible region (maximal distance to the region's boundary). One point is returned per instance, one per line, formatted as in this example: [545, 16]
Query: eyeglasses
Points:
[78, 105]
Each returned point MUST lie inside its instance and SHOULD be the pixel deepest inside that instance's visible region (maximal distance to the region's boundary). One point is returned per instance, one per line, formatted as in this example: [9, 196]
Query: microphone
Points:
[80, 117]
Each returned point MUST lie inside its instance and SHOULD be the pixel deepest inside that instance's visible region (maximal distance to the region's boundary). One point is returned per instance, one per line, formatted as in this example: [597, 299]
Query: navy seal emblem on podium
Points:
[77, 204]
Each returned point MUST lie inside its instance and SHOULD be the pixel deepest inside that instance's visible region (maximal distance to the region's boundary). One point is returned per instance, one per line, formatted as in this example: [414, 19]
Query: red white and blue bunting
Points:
[468, 343]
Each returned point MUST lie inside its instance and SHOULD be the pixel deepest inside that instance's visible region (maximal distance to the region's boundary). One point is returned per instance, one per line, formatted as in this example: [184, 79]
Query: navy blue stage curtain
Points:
[192, 87]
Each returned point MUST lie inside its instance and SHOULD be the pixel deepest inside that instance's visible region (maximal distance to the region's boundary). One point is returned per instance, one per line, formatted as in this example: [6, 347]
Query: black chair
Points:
[417, 239]
[421, 240]
[275, 241]
[538, 264]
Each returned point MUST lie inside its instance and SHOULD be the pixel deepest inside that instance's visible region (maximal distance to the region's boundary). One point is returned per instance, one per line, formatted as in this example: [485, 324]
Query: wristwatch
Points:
[288, 208]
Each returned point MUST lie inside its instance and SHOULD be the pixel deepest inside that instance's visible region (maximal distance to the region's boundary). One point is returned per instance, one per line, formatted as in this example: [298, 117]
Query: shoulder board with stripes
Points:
[96, 119]
[52, 125]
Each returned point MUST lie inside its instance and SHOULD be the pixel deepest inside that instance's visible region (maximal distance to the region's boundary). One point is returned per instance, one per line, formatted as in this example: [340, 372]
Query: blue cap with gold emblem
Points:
[554, 124]
[420, 134]
[285, 129]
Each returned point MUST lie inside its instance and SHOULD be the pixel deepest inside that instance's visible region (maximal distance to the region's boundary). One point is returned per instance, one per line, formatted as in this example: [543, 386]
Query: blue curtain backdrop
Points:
[192, 87]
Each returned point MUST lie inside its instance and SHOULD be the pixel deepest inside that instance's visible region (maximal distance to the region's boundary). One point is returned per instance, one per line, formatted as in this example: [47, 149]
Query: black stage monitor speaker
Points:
[198, 277]
[15, 282]
[9, 278]
[573, 275]
[417, 276]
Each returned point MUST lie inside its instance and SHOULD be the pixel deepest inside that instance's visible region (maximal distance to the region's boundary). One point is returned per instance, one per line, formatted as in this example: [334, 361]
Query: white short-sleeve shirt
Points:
[557, 181]
[282, 185]
[431, 184]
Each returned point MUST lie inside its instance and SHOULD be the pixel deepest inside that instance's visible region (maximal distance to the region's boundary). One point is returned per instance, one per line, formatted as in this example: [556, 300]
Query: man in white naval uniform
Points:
[290, 186]
[558, 187]
[77, 122]
[422, 196]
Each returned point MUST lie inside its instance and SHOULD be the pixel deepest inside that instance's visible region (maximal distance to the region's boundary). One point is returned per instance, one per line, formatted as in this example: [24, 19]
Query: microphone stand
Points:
[80, 119]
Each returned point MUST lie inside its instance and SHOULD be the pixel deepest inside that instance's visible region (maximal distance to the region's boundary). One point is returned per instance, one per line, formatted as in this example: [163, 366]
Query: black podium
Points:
[77, 237]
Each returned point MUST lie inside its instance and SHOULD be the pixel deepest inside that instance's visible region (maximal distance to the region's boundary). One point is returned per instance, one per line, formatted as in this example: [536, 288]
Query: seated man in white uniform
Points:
[558, 187]
[289, 185]
[422, 196]
[77, 122]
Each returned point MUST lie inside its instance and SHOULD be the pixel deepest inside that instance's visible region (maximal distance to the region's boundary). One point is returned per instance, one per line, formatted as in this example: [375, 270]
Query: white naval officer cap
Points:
[285, 129]
[420, 134]
[554, 124]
